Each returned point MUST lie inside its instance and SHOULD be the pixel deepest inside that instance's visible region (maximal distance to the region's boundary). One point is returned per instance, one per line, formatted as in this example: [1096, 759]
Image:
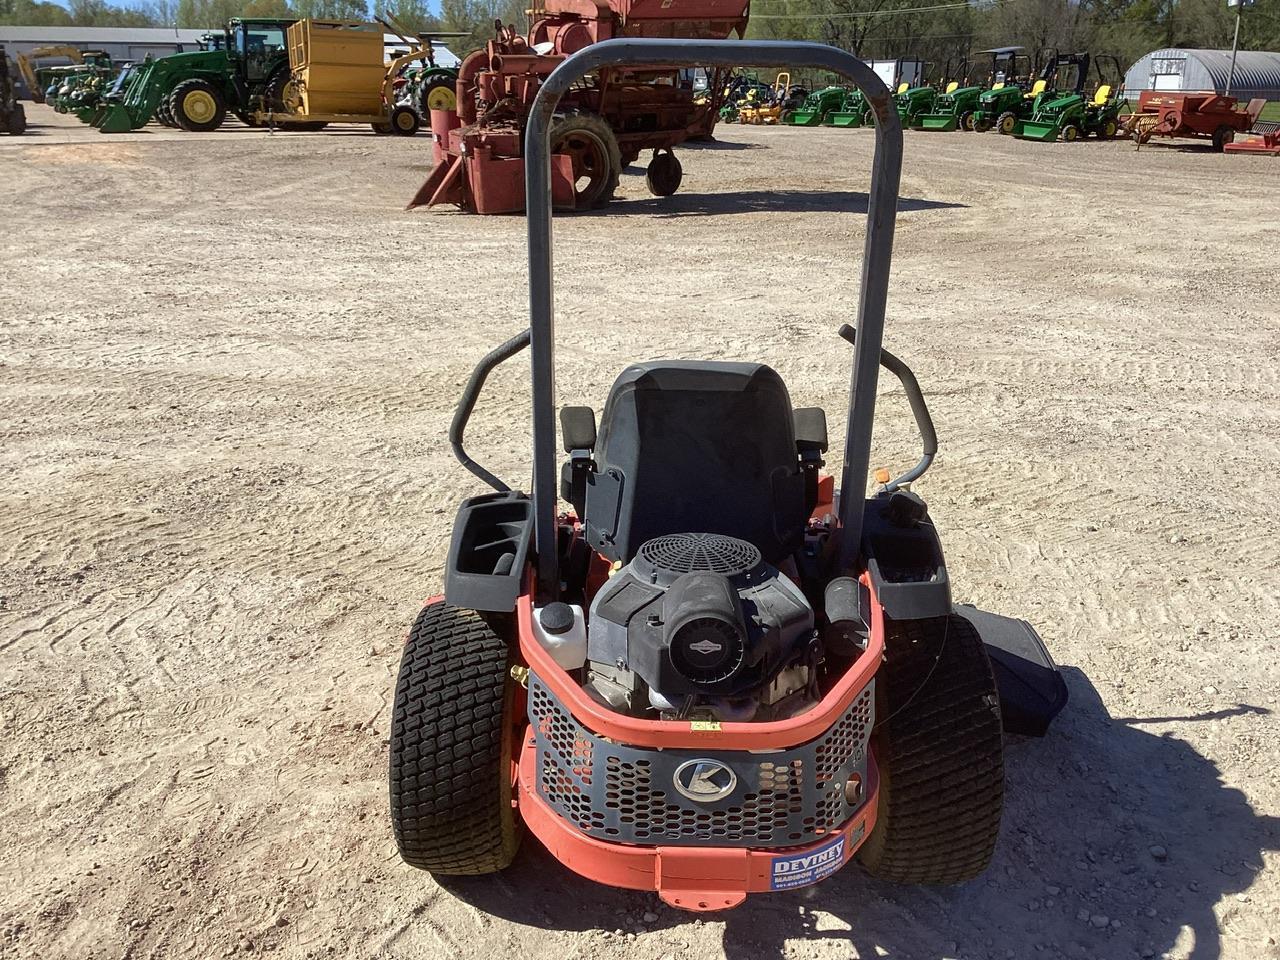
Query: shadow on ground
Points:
[1083, 809]
[720, 145]
[763, 201]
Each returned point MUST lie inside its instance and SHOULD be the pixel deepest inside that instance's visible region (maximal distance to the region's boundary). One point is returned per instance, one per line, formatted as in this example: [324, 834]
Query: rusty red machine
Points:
[603, 125]
[1208, 115]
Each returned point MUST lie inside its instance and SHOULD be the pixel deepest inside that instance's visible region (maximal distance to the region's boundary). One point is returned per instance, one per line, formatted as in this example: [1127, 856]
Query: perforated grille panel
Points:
[628, 794]
[686, 552]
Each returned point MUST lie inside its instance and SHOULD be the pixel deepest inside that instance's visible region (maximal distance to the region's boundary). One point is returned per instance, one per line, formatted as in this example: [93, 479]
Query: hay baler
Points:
[604, 123]
[1191, 115]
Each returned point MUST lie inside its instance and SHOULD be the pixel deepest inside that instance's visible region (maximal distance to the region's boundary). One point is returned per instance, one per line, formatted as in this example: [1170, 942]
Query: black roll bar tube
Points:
[919, 410]
[886, 168]
[470, 393]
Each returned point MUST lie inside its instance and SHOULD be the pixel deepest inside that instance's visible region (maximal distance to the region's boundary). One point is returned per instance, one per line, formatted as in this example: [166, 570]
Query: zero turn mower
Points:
[684, 661]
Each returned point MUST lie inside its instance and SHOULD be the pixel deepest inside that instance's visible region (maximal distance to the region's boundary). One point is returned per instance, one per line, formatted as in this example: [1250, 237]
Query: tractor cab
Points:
[257, 48]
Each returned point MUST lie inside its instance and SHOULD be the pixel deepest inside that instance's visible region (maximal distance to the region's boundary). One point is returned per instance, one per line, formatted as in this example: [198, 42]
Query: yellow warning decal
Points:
[712, 725]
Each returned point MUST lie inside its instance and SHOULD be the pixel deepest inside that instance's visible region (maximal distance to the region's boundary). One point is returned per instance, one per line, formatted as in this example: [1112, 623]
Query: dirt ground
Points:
[227, 365]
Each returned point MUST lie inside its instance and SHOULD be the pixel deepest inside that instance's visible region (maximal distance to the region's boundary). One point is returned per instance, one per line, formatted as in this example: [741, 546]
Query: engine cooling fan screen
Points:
[689, 552]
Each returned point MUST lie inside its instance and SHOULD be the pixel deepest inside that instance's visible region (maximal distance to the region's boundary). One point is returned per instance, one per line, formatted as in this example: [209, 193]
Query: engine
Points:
[699, 626]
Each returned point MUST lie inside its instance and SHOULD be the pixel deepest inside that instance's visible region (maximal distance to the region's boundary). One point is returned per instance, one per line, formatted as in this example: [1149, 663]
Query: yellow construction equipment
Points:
[338, 75]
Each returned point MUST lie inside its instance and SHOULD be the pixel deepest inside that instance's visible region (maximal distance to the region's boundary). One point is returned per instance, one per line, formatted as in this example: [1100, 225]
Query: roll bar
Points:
[882, 207]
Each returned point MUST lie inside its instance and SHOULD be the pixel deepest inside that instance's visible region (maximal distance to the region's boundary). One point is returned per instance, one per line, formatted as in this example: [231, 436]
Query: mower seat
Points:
[903, 87]
[953, 86]
[998, 86]
[1037, 89]
[696, 447]
[1102, 96]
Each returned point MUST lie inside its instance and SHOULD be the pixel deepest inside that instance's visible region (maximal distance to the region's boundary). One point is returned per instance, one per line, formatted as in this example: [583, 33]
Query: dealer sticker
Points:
[800, 870]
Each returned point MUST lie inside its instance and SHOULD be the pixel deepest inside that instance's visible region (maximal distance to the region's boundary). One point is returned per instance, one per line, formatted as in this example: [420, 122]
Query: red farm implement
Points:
[1190, 115]
[1265, 140]
[601, 126]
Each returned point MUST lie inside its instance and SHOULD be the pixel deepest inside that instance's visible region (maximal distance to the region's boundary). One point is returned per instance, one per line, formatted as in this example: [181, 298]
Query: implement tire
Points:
[941, 756]
[197, 106]
[452, 741]
[593, 149]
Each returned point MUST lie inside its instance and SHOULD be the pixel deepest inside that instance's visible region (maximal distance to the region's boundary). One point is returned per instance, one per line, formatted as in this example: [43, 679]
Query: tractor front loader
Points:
[912, 103]
[815, 108]
[1060, 113]
[195, 91]
[853, 111]
[956, 108]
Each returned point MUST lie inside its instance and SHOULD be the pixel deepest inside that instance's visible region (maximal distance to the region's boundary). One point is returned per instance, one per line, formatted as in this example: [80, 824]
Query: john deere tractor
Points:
[195, 91]
[914, 102]
[1070, 115]
[1006, 105]
[854, 111]
[815, 107]
[957, 105]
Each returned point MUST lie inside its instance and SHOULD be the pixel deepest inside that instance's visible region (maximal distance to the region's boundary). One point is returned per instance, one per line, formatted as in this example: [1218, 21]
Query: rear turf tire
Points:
[941, 756]
[451, 745]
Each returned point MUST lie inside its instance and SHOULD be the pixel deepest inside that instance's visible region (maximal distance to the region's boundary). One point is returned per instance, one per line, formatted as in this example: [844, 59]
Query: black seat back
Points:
[696, 447]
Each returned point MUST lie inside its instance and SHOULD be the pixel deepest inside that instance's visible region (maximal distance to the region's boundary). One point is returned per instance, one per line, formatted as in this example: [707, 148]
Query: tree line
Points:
[938, 31]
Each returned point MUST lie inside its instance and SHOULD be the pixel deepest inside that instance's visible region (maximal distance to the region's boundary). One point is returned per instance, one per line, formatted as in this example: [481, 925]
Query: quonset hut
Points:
[1184, 71]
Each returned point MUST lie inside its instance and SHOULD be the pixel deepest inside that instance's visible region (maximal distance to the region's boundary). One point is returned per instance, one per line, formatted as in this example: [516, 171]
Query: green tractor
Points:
[914, 102]
[957, 105]
[815, 107]
[194, 91]
[1071, 115]
[81, 86]
[423, 84]
[1006, 104]
[854, 111]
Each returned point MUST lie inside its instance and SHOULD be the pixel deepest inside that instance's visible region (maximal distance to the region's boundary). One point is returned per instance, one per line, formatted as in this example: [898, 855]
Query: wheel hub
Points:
[199, 106]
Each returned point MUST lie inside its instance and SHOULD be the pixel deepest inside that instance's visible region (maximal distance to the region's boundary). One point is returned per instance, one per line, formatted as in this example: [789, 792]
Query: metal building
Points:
[123, 43]
[1176, 70]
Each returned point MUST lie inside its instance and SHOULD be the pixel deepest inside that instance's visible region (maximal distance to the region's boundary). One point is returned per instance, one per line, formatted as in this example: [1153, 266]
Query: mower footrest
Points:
[1032, 691]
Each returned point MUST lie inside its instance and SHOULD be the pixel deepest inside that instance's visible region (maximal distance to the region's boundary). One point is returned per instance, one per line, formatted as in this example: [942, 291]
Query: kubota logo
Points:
[705, 780]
